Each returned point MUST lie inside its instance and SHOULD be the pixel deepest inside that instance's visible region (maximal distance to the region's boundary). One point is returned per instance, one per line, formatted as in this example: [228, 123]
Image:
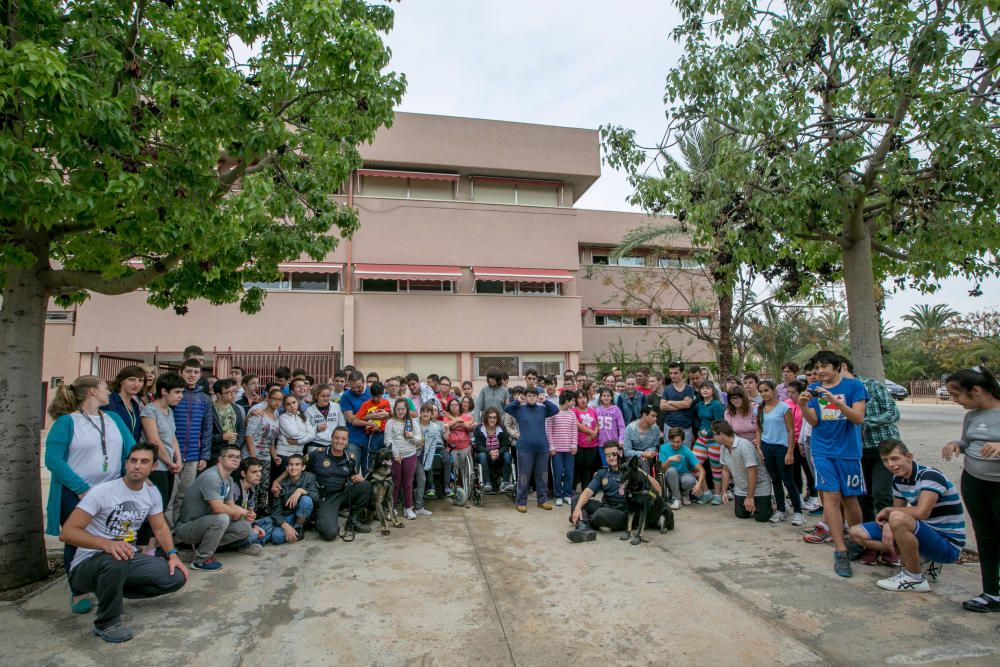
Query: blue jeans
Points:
[303, 510]
[488, 467]
[562, 474]
[267, 526]
[360, 451]
[530, 463]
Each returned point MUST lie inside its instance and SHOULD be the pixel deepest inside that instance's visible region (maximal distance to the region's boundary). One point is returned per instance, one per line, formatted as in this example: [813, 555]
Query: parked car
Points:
[897, 391]
[942, 393]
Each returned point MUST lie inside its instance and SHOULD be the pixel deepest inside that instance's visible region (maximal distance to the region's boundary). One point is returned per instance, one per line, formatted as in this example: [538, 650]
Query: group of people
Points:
[149, 464]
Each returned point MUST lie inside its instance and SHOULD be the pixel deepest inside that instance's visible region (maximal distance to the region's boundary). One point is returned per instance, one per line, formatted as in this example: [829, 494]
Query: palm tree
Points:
[702, 149]
[928, 324]
[778, 335]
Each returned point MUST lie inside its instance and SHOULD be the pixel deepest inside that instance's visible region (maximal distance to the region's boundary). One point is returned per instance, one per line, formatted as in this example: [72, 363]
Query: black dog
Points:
[643, 505]
[381, 481]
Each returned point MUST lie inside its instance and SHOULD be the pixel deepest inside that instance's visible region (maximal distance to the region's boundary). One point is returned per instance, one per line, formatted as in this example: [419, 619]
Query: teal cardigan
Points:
[56, 453]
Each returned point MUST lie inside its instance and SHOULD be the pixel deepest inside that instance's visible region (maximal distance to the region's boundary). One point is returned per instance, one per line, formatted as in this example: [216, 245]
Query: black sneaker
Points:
[855, 551]
[114, 634]
[358, 527]
[300, 532]
[982, 604]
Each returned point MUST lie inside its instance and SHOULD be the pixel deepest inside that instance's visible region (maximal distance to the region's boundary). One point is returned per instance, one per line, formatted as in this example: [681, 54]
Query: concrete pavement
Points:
[493, 587]
[490, 586]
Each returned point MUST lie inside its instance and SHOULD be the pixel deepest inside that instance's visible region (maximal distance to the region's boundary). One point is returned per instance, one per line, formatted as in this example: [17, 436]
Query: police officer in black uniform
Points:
[588, 513]
[340, 483]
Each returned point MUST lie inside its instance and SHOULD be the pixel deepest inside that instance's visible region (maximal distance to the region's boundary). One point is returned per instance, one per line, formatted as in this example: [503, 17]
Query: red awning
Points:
[622, 311]
[416, 175]
[311, 267]
[408, 271]
[521, 275]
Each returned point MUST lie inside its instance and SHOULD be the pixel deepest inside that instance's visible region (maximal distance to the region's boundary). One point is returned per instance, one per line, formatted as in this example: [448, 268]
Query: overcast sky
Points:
[579, 63]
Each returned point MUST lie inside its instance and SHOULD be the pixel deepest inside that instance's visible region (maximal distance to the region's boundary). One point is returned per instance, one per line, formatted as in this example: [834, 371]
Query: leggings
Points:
[802, 467]
[781, 476]
[982, 501]
[705, 448]
[402, 479]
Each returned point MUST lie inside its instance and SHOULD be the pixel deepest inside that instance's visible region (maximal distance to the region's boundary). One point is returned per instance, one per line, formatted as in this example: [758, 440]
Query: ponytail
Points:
[980, 376]
[69, 396]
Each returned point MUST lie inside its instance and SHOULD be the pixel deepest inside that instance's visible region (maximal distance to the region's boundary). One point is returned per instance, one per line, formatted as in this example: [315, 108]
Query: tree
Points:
[778, 335]
[144, 135]
[864, 138]
[733, 297]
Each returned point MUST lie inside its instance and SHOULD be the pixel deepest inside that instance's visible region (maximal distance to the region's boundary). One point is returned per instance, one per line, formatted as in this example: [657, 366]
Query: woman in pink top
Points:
[587, 461]
[741, 413]
[610, 422]
[458, 427]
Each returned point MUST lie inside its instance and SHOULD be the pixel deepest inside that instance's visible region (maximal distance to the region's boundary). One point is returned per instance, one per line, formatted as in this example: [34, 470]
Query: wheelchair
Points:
[469, 485]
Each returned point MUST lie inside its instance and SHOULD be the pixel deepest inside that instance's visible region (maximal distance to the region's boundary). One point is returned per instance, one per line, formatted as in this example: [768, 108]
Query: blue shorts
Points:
[843, 476]
[932, 544]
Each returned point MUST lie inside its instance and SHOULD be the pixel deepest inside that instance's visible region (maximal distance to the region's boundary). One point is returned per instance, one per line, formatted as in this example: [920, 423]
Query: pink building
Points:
[470, 255]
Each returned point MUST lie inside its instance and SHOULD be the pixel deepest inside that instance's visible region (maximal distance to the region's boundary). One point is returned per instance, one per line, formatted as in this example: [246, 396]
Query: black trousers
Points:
[163, 480]
[762, 508]
[599, 515]
[586, 463]
[356, 497]
[982, 501]
[878, 482]
[112, 580]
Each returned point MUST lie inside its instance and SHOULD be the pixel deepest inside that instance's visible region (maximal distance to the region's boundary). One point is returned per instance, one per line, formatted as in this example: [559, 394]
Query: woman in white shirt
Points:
[324, 415]
[295, 433]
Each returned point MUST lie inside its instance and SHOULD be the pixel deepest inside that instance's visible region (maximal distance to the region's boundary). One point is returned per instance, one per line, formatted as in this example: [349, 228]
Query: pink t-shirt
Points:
[587, 417]
[744, 427]
[796, 416]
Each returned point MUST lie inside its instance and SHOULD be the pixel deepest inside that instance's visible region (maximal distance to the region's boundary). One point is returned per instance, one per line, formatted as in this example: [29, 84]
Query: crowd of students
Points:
[147, 464]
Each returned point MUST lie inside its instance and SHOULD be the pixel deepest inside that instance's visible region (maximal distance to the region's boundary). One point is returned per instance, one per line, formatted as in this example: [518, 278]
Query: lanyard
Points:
[130, 409]
[104, 441]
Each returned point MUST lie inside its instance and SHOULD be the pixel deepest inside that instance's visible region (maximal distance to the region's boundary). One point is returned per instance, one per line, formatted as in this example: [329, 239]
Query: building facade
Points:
[470, 254]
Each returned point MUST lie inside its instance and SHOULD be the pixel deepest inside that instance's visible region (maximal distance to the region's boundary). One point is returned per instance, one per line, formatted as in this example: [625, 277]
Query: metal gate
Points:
[108, 366]
[320, 365]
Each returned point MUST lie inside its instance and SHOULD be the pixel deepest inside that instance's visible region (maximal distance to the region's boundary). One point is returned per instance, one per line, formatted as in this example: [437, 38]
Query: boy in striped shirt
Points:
[925, 522]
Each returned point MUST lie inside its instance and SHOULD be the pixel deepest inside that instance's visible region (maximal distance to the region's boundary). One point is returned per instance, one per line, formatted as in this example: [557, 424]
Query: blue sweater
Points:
[132, 422]
[193, 420]
[531, 420]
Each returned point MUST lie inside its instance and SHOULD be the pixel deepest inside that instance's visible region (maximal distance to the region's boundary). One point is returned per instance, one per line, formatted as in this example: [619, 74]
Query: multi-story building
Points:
[470, 254]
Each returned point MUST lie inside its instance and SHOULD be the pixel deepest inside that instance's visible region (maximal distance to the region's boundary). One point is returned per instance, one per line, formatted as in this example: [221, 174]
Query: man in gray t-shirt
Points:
[751, 484]
[210, 519]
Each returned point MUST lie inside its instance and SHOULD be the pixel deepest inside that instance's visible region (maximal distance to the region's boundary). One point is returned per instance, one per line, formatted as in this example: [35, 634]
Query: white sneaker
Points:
[410, 514]
[901, 581]
[798, 519]
[568, 500]
[423, 512]
[777, 517]
[675, 504]
[558, 502]
[729, 494]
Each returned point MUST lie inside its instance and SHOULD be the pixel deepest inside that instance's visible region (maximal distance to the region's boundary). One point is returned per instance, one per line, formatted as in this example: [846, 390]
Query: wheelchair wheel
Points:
[460, 496]
[477, 486]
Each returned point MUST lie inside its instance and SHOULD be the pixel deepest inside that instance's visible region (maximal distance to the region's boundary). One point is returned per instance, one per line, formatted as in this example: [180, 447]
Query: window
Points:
[403, 187]
[688, 320]
[412, 286]
[678, 263]
[499, 191]
[543, 367]
[316, 282]
[493, 193]
[517, 288]
[504, 364]
[379, 285]
[60, 317]
[621, 320]
[608, 260]
[301, 282]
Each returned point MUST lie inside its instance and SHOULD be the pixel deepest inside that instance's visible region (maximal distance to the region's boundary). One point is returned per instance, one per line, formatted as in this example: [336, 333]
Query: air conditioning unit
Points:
[60, 317]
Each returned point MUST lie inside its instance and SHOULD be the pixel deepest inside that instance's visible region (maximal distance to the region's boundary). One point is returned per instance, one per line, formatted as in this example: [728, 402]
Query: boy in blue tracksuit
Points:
[193, 421]
[532, 447]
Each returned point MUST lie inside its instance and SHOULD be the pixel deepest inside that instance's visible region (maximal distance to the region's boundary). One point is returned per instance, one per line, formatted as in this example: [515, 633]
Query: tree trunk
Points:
[862, 309]
[725, 349]
[22, 330]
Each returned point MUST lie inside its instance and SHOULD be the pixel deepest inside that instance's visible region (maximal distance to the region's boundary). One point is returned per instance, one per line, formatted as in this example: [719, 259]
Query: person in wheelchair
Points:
[492, 443]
